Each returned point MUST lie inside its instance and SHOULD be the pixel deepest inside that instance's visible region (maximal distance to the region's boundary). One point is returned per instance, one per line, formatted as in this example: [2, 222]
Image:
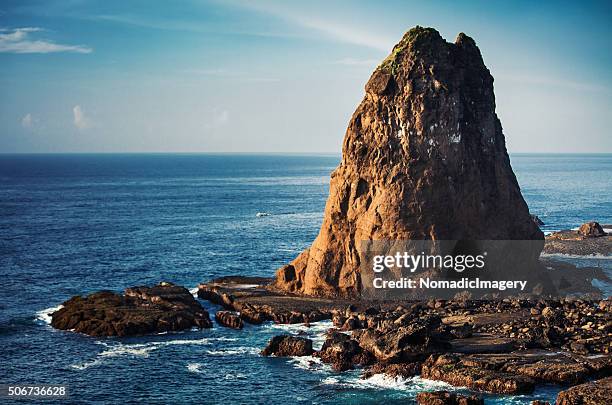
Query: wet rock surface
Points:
[447, 398]
[140, 310]
[286, 345]
[229, 319]
[598, 392]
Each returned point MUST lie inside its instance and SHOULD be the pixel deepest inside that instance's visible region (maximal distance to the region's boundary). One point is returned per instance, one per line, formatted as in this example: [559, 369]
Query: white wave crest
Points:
[194, 292]
[44, 315]
[382, 381]
[315, 331]
[194, 367]
[118, 349]
[232, 351]
[597, 256]
[309, 363]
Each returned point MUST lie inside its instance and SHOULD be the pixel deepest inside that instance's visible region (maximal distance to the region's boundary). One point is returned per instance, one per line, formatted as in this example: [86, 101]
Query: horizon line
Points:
[256, 153]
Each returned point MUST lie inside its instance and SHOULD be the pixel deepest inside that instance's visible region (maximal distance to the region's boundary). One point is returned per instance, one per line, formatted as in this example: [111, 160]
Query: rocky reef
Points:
[140, 310]
[590, 239]
[423, 158]
[508, 346]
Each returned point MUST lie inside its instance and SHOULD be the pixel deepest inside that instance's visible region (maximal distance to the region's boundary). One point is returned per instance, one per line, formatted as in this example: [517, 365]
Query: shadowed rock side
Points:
[424, 157]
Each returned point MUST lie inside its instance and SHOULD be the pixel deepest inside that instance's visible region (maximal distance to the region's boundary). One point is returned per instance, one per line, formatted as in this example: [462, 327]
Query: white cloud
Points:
[81, 121]
[18, 40]
[27, 121]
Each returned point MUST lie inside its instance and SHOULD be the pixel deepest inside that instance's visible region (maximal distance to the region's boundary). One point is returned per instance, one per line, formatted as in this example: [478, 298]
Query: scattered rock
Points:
[286, 345]
[450, 369]
[598, 392]
[140, 310]
[447, 398]
[342, 352]
[403, 370]
[591, 230]
[229, 319]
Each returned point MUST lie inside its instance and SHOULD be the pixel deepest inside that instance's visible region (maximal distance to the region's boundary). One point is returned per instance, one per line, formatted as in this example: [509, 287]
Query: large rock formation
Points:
[424, 158]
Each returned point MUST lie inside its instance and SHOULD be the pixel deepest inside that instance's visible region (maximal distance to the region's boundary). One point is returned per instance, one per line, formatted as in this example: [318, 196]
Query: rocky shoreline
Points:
[505, 347]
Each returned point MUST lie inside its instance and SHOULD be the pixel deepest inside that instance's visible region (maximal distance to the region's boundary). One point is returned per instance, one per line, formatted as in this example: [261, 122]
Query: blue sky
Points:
[280, 76]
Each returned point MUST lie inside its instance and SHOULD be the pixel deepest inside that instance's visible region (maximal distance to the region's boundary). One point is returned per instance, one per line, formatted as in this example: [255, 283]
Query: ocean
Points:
[74, 224]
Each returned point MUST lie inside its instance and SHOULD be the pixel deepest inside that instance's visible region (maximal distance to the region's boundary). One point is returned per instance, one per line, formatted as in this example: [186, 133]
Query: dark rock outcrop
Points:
[593, 393]
[449, 368]
[589, 239]
[286, 345]
[343, 352]
[393, 370]
[447, 398]
[141, 310]
[229, 319]
[424, 158]
[591, 230]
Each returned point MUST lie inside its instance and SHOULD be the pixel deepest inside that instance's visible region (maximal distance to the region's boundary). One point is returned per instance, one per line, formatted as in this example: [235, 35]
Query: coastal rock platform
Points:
[575, 242]
[139, 311]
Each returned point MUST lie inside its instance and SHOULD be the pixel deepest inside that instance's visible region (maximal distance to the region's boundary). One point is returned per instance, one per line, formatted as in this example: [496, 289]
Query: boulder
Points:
[450, 369]
[591, 230]
[447, 398]
[405, 343]
[597, 392]
[423, 158]
[343, 352]
[140, 310]
[229, 319]
[286, 345]
[403, 370]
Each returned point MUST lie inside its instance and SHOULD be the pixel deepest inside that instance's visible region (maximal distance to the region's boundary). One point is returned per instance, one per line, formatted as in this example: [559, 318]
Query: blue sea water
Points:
[74, 224]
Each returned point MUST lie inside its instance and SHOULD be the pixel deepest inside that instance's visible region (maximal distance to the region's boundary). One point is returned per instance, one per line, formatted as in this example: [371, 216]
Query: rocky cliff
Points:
[424, 158]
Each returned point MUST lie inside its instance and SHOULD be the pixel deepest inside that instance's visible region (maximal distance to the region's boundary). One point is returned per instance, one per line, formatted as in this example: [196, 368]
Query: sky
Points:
[281, 76]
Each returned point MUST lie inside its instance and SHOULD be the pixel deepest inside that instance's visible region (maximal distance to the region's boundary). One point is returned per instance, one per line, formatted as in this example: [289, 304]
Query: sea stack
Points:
[423, 158]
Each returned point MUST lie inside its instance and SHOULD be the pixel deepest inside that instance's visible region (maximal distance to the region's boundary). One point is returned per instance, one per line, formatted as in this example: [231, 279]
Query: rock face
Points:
[286, 345]
[424, 158]
[229, 319]
[447, 398]
[141, 310]
[591, 230]
[593, 393]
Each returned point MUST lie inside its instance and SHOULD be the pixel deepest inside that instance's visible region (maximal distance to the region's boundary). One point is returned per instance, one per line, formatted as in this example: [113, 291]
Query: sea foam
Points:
[44, 315]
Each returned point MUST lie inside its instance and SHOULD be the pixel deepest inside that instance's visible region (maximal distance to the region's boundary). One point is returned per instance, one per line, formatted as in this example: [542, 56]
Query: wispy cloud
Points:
[357, 62]
[19, 40]
[336, 30]
[80, 120]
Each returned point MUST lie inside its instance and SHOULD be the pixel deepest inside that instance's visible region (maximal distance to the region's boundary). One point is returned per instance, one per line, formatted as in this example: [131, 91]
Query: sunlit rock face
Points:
[424, 158]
